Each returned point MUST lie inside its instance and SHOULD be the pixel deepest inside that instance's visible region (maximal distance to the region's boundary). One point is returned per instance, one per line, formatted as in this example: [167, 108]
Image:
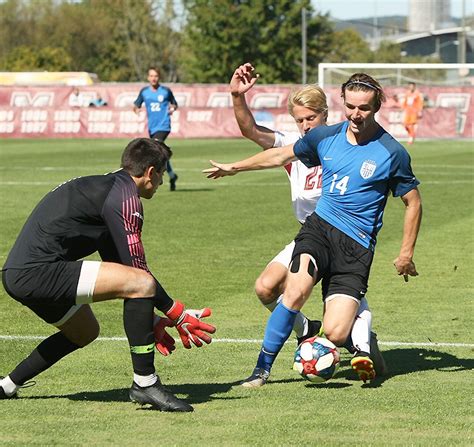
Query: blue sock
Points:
[169, 170]
[278, 330]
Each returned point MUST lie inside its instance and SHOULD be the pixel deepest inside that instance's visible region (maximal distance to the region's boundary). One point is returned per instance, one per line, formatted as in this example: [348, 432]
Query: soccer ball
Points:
[317, 359]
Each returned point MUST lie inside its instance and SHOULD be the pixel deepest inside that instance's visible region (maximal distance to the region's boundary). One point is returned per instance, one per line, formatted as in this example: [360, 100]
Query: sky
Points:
[356, 9]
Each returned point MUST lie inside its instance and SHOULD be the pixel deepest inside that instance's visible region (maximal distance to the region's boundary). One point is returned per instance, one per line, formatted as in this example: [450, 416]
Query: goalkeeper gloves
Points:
[189, 326]
[164, 342]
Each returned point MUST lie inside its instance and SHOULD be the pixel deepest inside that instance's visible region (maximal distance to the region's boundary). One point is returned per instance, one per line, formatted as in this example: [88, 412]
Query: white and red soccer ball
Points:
[317, 359]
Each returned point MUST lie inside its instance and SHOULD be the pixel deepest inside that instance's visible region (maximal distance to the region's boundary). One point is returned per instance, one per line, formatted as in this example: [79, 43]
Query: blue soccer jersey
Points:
[356, 178]
[157, 103]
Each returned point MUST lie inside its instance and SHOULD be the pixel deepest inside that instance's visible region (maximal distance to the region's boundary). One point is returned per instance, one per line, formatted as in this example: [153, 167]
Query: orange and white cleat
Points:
[363, 366]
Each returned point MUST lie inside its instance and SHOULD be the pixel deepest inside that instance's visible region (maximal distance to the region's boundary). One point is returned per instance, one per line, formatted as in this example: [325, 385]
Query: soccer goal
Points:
[332, 74]
[447, 91]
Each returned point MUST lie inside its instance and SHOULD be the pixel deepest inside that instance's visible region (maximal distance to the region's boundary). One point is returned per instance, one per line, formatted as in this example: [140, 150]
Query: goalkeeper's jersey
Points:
[101, 213]
[305, 182]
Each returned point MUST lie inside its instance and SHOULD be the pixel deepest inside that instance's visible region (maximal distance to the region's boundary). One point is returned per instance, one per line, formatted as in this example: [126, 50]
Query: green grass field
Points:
[207, 242]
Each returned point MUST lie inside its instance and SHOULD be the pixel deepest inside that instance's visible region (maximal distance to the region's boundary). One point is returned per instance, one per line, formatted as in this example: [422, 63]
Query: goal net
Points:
[448, 92]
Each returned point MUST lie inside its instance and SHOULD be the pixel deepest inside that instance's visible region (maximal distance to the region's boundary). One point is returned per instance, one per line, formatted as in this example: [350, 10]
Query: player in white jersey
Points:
[308, 107]
[305, 182]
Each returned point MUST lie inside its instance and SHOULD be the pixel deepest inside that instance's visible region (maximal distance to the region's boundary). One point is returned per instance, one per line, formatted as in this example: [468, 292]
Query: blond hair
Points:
[309, 96]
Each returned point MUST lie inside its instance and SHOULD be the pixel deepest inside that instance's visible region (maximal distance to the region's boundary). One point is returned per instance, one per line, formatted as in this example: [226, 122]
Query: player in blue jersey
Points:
[362, 164]
[308, 107]
[160, 104]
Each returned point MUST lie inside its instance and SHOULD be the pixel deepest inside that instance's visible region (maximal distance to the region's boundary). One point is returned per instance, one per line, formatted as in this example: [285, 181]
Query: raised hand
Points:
[243, 79]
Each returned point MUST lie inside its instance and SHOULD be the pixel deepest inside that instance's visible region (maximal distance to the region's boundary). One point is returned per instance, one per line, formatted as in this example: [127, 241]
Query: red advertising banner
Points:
[205, 111]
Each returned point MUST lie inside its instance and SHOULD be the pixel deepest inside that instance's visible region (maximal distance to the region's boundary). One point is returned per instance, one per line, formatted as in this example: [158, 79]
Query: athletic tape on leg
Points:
[295, 265]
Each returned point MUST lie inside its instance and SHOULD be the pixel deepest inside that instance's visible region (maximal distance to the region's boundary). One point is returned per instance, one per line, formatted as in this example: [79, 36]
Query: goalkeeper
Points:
[44, 271]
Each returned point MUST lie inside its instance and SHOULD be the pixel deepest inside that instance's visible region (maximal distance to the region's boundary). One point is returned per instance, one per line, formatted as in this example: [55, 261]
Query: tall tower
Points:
[428, 15]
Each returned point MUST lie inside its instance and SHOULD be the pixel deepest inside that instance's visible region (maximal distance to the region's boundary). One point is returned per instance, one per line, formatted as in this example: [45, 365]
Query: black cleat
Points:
[173, 183]
[258, 378]
[158, 397]
[4, 395]
[314, 328]
[379, 363]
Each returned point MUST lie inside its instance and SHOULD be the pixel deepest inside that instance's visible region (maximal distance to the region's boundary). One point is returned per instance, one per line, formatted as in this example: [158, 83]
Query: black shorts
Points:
[49, 290]
[343, 264]
[160, 136]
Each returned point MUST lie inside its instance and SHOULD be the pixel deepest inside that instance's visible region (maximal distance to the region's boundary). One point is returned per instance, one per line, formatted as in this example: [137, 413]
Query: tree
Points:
[117, 39]
[348, 46]
[387, 52]
[221, 34]
[46, 59]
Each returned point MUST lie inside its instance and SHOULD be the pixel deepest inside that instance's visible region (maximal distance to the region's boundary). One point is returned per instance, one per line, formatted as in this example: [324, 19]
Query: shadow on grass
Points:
[178, 190]
[400, 362]
[328, 385]
[403, 361]
[194, 393]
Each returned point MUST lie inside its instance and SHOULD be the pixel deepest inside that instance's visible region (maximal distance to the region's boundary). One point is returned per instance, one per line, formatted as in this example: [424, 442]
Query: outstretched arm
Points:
[404, 262]
[271, 158]
[241, 82]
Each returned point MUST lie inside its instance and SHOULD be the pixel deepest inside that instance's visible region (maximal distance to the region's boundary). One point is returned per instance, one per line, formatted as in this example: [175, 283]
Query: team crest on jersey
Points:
[161, 98]
[367, 169]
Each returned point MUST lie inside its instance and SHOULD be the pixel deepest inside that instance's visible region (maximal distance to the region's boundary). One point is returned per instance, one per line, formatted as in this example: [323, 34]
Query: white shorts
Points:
[284, 257]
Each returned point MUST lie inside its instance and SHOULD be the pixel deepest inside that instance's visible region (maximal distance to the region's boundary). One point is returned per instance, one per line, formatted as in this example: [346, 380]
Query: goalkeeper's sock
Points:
[277, 332]
[300, 327]
[46, 354]
[144, 381]
[138, 323]
[9, 387]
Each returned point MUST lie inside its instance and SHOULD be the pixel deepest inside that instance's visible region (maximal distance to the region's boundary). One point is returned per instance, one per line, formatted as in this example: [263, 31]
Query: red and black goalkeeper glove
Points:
[164, 342]
[189, 326]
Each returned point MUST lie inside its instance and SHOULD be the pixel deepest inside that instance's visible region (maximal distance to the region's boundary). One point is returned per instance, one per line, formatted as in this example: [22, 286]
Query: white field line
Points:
[239, 185]
[440, 168]
[255, 340]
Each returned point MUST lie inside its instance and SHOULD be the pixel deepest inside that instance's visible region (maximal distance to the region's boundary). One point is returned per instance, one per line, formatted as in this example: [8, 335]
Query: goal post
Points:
[398, 74]
[448, 93]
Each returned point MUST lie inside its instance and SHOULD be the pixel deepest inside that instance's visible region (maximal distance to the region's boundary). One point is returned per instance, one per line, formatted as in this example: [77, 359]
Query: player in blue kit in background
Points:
[361, 164]
[160, 104]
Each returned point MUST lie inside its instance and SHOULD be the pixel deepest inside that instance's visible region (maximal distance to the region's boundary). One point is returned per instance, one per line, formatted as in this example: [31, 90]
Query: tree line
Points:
[192, 41]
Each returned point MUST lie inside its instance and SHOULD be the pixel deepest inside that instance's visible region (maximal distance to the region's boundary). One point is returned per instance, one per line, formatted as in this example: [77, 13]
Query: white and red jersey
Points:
[305, 182]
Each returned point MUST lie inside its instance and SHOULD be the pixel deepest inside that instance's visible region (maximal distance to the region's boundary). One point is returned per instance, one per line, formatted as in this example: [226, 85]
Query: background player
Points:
[44, 271]
[412, 105]
[308, 107]
[361, 164]
[160, 104]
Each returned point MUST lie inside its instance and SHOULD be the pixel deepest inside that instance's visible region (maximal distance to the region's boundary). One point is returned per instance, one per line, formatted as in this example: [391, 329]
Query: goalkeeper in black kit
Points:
[44, 271]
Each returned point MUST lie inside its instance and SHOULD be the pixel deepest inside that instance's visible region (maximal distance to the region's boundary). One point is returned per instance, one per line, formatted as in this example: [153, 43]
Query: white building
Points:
[429, 15]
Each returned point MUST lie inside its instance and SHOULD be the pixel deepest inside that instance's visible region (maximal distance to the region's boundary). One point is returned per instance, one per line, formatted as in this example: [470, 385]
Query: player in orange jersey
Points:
[412, 105]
